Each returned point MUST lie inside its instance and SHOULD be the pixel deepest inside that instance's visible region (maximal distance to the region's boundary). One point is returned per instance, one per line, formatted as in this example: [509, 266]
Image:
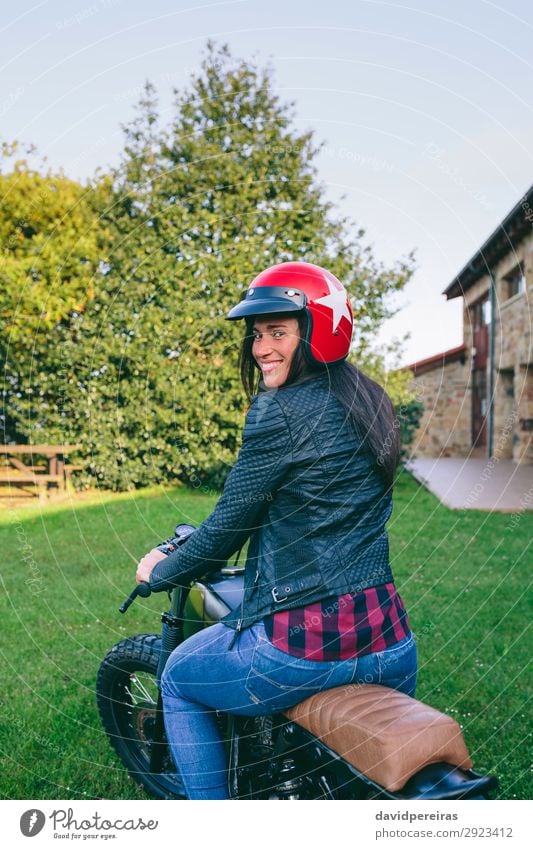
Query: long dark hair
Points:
[367, 405]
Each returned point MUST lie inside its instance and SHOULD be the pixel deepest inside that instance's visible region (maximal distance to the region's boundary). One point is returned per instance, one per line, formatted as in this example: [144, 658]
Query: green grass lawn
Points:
[463, 575]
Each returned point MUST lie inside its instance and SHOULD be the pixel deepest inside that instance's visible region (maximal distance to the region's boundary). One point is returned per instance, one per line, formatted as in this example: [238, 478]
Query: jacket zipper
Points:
[238, 628]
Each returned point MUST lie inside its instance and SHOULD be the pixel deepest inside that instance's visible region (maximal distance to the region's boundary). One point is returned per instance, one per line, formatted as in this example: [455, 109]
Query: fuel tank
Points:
[208, 601]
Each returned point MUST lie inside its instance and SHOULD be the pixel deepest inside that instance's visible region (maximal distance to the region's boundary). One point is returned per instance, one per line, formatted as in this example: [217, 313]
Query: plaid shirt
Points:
[340, 628]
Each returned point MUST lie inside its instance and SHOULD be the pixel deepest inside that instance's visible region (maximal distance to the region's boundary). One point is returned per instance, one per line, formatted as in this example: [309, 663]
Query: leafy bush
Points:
[409, 416]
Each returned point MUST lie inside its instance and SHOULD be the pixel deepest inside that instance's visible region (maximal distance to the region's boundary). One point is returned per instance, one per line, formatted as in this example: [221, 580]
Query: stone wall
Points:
[445, 428]
[513, 402]
[523, 435]
[445, 390]
[505, 414]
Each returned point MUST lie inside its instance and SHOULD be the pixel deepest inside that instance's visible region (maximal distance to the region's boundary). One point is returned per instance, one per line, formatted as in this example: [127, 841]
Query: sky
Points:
[424, 110]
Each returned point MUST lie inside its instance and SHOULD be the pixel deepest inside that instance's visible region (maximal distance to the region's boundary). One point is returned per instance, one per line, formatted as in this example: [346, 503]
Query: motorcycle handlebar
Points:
[181, 534]
[143, 589]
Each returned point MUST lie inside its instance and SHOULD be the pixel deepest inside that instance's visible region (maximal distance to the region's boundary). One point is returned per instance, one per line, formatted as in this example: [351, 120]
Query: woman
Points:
[311, 490]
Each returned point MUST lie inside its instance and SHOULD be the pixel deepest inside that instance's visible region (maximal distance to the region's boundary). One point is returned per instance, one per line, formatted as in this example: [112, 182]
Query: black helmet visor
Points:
[268, 299]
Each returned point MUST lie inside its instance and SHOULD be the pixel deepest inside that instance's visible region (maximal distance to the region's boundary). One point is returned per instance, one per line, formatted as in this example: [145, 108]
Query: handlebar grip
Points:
[143, 589]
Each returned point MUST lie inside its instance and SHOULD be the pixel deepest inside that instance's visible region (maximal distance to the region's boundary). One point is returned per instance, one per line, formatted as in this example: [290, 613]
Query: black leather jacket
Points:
[310, 499]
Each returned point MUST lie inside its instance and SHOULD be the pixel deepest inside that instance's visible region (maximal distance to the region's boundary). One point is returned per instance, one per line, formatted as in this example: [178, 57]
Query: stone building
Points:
[478, 397]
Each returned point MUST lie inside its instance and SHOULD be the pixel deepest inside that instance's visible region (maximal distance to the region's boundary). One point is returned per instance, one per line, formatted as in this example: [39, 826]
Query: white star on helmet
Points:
[336, 301]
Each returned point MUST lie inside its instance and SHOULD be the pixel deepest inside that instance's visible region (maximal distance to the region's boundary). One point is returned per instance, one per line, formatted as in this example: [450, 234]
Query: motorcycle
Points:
[359, 741]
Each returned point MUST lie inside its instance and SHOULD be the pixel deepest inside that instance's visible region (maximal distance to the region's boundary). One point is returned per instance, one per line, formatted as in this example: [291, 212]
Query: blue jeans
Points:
[254, 678]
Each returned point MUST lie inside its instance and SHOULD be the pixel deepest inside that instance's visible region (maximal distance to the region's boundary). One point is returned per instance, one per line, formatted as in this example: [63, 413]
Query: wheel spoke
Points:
[146, 696]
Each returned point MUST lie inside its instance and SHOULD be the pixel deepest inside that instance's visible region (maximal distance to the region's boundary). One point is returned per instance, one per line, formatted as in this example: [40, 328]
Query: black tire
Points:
[126, 694]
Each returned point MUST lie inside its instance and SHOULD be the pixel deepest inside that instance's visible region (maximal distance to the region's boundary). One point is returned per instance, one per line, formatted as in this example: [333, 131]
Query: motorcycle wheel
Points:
[126, 694]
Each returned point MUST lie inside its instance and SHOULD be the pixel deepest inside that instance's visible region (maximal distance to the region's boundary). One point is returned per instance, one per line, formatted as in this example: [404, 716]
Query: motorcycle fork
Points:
[157, 752]
[171, 637]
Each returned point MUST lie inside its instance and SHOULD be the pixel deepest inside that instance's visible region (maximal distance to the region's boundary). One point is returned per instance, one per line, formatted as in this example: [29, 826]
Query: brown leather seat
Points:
[383, 733]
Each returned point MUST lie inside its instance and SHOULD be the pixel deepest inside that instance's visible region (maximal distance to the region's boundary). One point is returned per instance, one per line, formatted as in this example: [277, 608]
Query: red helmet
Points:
[295, 286]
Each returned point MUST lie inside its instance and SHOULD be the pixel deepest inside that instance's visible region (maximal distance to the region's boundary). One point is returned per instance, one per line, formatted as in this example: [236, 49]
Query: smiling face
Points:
[275, 341]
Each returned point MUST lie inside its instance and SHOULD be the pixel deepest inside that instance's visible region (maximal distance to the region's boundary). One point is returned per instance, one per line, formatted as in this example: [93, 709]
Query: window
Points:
[514, 282]
[481, 313]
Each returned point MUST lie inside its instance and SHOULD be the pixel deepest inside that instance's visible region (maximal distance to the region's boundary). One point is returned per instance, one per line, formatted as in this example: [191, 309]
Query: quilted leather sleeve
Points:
[264, 458]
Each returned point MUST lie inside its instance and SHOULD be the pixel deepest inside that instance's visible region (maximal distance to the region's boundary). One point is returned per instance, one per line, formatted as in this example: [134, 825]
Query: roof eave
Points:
[505, 237]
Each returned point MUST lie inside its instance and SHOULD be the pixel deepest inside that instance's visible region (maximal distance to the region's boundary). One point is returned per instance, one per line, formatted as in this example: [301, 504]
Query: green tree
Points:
[50, 256]
[194, 211]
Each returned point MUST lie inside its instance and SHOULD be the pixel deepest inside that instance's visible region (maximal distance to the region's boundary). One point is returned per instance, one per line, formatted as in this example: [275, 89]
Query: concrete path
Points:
[477, 484]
